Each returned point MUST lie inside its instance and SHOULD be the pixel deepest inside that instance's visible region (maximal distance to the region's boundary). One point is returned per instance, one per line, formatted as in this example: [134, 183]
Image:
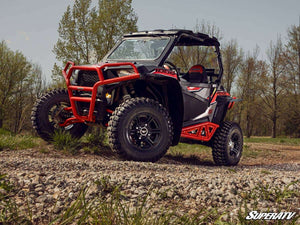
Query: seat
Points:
[196, 74]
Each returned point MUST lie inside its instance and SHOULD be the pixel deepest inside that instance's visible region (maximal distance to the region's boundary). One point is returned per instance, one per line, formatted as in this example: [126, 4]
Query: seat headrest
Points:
[197, 74]
[196, 69]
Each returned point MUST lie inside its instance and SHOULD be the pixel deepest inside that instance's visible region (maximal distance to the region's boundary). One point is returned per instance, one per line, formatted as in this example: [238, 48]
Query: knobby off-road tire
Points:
[140, 129]
[227, 145]
[49, 111]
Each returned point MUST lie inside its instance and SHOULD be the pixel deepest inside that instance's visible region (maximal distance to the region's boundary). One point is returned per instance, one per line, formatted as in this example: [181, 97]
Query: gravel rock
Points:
[50, 182]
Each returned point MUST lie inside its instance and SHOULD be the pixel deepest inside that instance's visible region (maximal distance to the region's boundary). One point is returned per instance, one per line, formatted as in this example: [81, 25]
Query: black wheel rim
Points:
[234, 145]
[58, 115]
[144, 131]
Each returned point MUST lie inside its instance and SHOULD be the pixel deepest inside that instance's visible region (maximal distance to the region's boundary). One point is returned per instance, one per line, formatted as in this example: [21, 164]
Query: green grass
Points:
[4, 132]
[271, 193]
[65, 142]
[97, 136]
[183, 150]
[267, 172]
[268, 140]
[192, 149]
[195, 154]
[95, 141]
[188, 149]
[16, 142]
[251, 153]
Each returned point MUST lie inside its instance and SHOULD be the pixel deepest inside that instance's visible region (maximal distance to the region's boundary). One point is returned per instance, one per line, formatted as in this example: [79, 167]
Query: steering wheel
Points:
[172, 67]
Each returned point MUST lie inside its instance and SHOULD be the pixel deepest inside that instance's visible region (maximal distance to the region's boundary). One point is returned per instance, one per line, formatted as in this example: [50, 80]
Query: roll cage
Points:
[177, 38]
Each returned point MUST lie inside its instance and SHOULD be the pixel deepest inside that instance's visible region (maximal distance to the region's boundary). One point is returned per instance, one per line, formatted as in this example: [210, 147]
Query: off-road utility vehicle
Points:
[147, 102]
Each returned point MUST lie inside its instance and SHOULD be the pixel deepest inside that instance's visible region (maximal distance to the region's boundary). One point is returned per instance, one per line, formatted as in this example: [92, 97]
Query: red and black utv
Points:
[146, 101]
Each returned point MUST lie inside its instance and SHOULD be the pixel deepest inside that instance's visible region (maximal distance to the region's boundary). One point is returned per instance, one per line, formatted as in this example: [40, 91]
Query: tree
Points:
[292, 61]
[114, 18]
[29, 89]
[272, 90]
[292, 56]
[251, 70]
[18, 79]
[14, 68]
[232, 59]
[86, 34]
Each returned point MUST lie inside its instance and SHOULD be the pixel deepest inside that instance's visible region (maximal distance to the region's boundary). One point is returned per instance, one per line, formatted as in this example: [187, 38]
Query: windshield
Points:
[140, 49]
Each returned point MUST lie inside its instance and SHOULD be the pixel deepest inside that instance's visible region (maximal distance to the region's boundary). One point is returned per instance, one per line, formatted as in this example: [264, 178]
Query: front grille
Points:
[87, 78]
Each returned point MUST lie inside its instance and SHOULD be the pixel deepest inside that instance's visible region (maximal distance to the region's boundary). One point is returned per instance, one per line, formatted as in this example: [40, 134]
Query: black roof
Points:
[184, 37]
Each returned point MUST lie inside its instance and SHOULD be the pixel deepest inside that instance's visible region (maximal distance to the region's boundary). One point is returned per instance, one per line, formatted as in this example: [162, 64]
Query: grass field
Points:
[255, 148]
[269, 140]
[188, 149]
[15, 142]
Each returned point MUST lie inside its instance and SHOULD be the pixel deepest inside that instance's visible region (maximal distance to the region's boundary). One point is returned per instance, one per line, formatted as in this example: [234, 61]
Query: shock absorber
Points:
[131, 89]
[126, 95]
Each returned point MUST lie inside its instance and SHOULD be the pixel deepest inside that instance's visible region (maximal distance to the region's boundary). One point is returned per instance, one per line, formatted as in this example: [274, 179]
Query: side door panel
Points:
[194, 103]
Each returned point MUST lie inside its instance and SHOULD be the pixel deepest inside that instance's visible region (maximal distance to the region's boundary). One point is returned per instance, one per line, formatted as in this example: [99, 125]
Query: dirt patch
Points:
[274, 147]
[254, 154]
[270, 154]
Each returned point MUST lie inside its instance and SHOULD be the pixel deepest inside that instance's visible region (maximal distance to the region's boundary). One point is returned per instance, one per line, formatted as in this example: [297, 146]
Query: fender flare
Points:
[173, 100]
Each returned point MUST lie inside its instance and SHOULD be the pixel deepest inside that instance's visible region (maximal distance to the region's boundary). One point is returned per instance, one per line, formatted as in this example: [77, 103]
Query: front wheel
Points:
[140, 129]
[227, 145]
[50, 111]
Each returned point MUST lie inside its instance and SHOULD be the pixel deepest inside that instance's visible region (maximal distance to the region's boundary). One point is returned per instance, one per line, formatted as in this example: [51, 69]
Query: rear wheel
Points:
[140, 129]
[227, 145]
[50, 111]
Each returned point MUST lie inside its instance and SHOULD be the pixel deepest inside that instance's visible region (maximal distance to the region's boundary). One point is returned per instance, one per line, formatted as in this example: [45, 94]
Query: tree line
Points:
[21, 83]
[269, 88]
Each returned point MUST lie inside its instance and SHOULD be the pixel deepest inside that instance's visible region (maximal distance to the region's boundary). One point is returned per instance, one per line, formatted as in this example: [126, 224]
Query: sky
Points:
[30, 26]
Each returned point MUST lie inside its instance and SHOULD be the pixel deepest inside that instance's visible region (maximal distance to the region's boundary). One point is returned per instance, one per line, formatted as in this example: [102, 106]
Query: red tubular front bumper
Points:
[67, 73]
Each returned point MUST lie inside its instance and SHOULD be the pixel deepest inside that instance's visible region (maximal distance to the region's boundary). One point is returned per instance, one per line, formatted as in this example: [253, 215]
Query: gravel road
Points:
[51, 181]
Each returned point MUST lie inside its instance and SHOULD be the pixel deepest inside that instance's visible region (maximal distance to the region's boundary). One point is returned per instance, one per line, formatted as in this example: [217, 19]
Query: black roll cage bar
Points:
[177, 37]
[218, 80]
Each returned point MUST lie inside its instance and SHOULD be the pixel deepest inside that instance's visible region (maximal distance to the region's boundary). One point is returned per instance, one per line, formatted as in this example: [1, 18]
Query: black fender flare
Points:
[172, 100]
[176, 108]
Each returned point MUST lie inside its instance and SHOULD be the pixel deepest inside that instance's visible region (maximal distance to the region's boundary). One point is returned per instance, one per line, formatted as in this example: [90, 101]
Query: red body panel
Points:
[193, 88]
[200, 132]
[218, 93]
[231, 104]
[165, 72]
